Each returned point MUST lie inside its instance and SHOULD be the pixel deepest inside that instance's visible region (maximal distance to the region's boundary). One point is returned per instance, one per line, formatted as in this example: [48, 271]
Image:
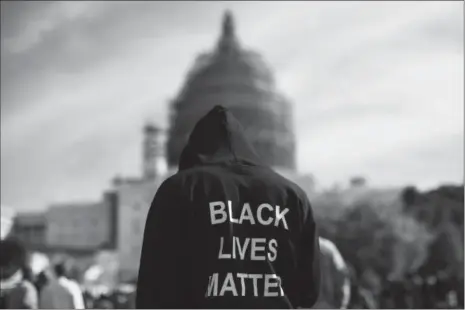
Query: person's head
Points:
[13, 257]
[43, 277]
[105, 303]
[217, 137]
[61, 270]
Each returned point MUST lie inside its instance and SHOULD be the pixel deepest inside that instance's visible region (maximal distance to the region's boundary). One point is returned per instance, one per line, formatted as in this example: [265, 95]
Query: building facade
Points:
[31, 230]
[134, 199]
[82, 226]
[153, 155]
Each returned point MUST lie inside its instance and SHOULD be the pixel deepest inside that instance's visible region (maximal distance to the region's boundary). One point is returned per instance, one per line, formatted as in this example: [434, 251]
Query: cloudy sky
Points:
[377, 86]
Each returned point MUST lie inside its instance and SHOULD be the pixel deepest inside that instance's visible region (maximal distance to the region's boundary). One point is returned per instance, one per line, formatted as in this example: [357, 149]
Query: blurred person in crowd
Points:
[386, 300]
[458, 283]
[419, 285]
[28, 274]
[121, 300]
[335, 279]
[16, 291]
[132, 300]
[442, 287]
[224, 199]
[429, 292]
[367, 298]
[61, 292]
[104, 302]
[88, 299]
[42, 279]
[409, 289]
[397, 292]
[451, 300]
[361, 292]
[354, 299]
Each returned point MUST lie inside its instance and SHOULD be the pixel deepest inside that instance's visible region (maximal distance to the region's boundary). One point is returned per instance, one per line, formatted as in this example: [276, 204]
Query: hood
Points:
[218, 138]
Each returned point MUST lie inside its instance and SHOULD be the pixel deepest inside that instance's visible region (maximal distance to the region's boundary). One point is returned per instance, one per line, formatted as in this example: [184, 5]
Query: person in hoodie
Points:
[226, 231]
[335, 278]
[61, 292]
[16, 292]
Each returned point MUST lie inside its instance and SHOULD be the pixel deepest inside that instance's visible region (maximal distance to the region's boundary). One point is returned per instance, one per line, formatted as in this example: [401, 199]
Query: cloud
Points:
[374, 85]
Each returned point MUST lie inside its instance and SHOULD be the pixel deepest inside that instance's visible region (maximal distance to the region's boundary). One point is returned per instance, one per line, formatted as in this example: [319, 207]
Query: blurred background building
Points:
[31, 229]
[81, 226]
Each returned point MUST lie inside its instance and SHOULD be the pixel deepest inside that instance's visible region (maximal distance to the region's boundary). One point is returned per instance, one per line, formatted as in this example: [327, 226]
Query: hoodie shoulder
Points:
[291, 185]
[180, 179]
[196, 171]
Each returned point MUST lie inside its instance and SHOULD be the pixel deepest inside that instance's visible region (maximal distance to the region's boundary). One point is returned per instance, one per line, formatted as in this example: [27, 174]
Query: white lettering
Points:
[270, 284]
[256, 248]
[244, 249]
[231, 219]
[280, 282]
[228, 285]
[280, 216]
[214, 212]
[272, 246]
[220, 254]
[234, 247]
[246, 214]
[212, 285]
[260, 249]
[255, 278]
[242, 276]
[219, 214]
[259, 214]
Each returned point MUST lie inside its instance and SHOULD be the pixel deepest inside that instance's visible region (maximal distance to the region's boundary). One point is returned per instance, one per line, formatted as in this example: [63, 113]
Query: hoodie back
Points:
[226, 231]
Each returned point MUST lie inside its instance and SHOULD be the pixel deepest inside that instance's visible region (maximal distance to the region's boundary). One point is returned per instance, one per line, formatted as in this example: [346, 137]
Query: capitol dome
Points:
[240, 80]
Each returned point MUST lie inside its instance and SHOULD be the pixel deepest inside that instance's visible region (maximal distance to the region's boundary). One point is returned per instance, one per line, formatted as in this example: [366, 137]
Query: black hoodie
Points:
[226, 231]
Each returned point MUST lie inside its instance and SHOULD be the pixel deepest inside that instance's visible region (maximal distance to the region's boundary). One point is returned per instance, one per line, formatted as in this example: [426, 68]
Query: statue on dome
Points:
[228, 40]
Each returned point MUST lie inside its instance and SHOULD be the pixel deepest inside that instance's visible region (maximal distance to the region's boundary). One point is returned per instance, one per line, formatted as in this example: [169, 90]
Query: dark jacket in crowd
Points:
[16, 290]
[227, 231]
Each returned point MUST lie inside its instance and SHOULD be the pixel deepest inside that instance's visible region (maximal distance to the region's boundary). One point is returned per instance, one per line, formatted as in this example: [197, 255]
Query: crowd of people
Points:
[51, 288]
[414, 292]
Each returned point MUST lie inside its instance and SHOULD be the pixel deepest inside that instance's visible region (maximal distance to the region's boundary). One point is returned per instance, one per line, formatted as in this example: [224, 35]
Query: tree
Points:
[374, 235]
[409, 196]
[441, 211]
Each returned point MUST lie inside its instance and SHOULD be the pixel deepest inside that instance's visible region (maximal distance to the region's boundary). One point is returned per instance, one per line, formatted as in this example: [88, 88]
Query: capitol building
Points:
[230, 75]
[240, 80]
